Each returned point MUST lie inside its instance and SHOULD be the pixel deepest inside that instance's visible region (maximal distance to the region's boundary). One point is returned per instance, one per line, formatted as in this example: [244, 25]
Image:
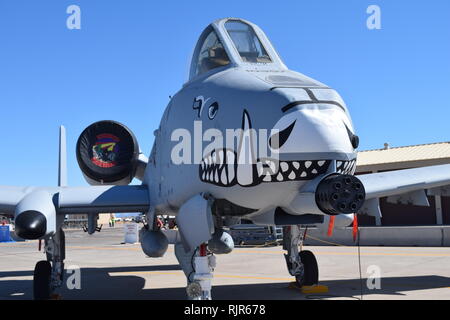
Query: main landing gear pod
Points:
[49, 274]
[35, 218]
[107, 153]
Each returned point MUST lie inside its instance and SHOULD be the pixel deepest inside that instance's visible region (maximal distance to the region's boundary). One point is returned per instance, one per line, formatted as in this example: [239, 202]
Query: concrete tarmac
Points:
[111, 270]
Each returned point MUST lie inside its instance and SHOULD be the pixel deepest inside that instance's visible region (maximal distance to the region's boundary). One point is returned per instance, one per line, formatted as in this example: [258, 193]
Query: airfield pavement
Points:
[111, 270]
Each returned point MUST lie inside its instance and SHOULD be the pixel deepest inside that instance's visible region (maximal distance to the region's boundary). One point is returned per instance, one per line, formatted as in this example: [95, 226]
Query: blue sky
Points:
[129, 56]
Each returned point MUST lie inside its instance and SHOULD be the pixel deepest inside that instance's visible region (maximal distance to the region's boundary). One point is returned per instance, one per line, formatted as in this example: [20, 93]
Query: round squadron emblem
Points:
[105, 151]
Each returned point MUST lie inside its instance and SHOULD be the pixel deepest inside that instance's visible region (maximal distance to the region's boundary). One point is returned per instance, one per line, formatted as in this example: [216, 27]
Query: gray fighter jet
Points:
[245, 138]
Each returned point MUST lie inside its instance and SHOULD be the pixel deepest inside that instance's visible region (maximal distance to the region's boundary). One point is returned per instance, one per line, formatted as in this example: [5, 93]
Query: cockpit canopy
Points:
[233, 42]
[212, 54]
[247, 42]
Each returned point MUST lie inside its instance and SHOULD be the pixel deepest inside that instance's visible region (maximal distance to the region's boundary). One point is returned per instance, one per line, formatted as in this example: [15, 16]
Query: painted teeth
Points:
[216, 176]
[260, 168]
[223, 178]
[346, 167]
[221, 153]
[220, 168]
[272, 166]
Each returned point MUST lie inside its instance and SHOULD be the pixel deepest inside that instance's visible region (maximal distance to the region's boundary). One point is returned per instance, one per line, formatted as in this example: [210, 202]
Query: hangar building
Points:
[391, 159]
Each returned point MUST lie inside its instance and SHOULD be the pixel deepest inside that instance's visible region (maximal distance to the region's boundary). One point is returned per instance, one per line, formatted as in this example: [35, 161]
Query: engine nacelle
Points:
[35, 216]
[107, 153]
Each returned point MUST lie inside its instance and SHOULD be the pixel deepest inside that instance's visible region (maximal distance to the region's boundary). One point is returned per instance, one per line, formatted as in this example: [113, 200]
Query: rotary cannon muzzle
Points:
[340, 194]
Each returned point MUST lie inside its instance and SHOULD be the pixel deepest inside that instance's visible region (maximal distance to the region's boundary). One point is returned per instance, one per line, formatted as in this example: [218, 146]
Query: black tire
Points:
[311, 274]
[41, 280]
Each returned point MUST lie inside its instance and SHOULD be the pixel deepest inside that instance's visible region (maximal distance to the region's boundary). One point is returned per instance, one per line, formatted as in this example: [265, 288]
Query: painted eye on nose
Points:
[212, 110]
[277, 140]
[354, 139]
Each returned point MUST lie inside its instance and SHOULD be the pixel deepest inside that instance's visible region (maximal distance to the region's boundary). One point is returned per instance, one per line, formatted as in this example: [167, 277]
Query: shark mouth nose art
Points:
[346, 167]
[223, 167]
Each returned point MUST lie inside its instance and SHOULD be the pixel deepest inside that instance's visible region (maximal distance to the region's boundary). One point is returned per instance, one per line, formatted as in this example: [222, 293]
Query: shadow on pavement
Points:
[97, 283]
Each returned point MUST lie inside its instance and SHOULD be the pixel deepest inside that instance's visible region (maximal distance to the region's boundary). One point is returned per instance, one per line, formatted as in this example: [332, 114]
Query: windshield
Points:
[247, 42]
[211, 55]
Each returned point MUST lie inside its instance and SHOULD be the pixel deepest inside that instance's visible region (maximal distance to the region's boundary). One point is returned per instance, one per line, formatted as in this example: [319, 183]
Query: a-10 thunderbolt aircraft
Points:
[245, 138]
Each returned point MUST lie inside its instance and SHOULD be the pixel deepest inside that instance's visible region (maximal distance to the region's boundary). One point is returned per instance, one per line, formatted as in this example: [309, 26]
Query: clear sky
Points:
[129, 56]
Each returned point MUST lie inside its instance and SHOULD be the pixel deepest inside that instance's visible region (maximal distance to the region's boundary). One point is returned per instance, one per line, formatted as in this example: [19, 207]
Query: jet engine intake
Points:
[107, 153]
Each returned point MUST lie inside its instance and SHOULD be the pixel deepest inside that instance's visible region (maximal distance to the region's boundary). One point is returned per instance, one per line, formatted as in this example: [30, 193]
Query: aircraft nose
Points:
[315, 129]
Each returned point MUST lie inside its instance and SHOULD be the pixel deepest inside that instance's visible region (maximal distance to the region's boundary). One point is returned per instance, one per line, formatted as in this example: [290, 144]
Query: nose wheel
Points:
[310, 275]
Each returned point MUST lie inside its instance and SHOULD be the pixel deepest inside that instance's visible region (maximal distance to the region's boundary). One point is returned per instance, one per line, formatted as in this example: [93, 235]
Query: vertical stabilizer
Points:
[62, 166]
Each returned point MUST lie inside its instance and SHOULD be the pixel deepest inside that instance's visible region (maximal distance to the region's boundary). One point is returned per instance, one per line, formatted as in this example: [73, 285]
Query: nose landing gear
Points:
[301, 264]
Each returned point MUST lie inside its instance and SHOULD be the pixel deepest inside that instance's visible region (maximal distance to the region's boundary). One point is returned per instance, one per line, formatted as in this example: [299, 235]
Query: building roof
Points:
[427, 152]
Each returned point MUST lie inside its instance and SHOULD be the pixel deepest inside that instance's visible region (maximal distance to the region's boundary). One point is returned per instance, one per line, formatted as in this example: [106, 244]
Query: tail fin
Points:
[62, 167]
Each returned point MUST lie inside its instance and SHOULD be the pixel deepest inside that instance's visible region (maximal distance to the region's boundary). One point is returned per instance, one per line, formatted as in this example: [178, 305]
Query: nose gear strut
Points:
[300, 263]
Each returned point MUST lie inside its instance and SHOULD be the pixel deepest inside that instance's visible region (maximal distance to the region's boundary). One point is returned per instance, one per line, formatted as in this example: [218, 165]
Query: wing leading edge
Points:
[80, 200]
[393, 183]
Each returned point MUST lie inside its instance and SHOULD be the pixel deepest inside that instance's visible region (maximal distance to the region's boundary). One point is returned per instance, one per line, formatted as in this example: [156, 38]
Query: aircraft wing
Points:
[404, 186]
[78, 200]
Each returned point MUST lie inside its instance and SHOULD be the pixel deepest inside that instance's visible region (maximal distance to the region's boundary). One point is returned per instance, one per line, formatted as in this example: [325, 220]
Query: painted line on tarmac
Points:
[400, 254]
[238, 251]
[215, 275]
[281, 252]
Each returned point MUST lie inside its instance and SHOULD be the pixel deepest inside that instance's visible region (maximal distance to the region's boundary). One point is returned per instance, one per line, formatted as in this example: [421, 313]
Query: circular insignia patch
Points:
[105, 151]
